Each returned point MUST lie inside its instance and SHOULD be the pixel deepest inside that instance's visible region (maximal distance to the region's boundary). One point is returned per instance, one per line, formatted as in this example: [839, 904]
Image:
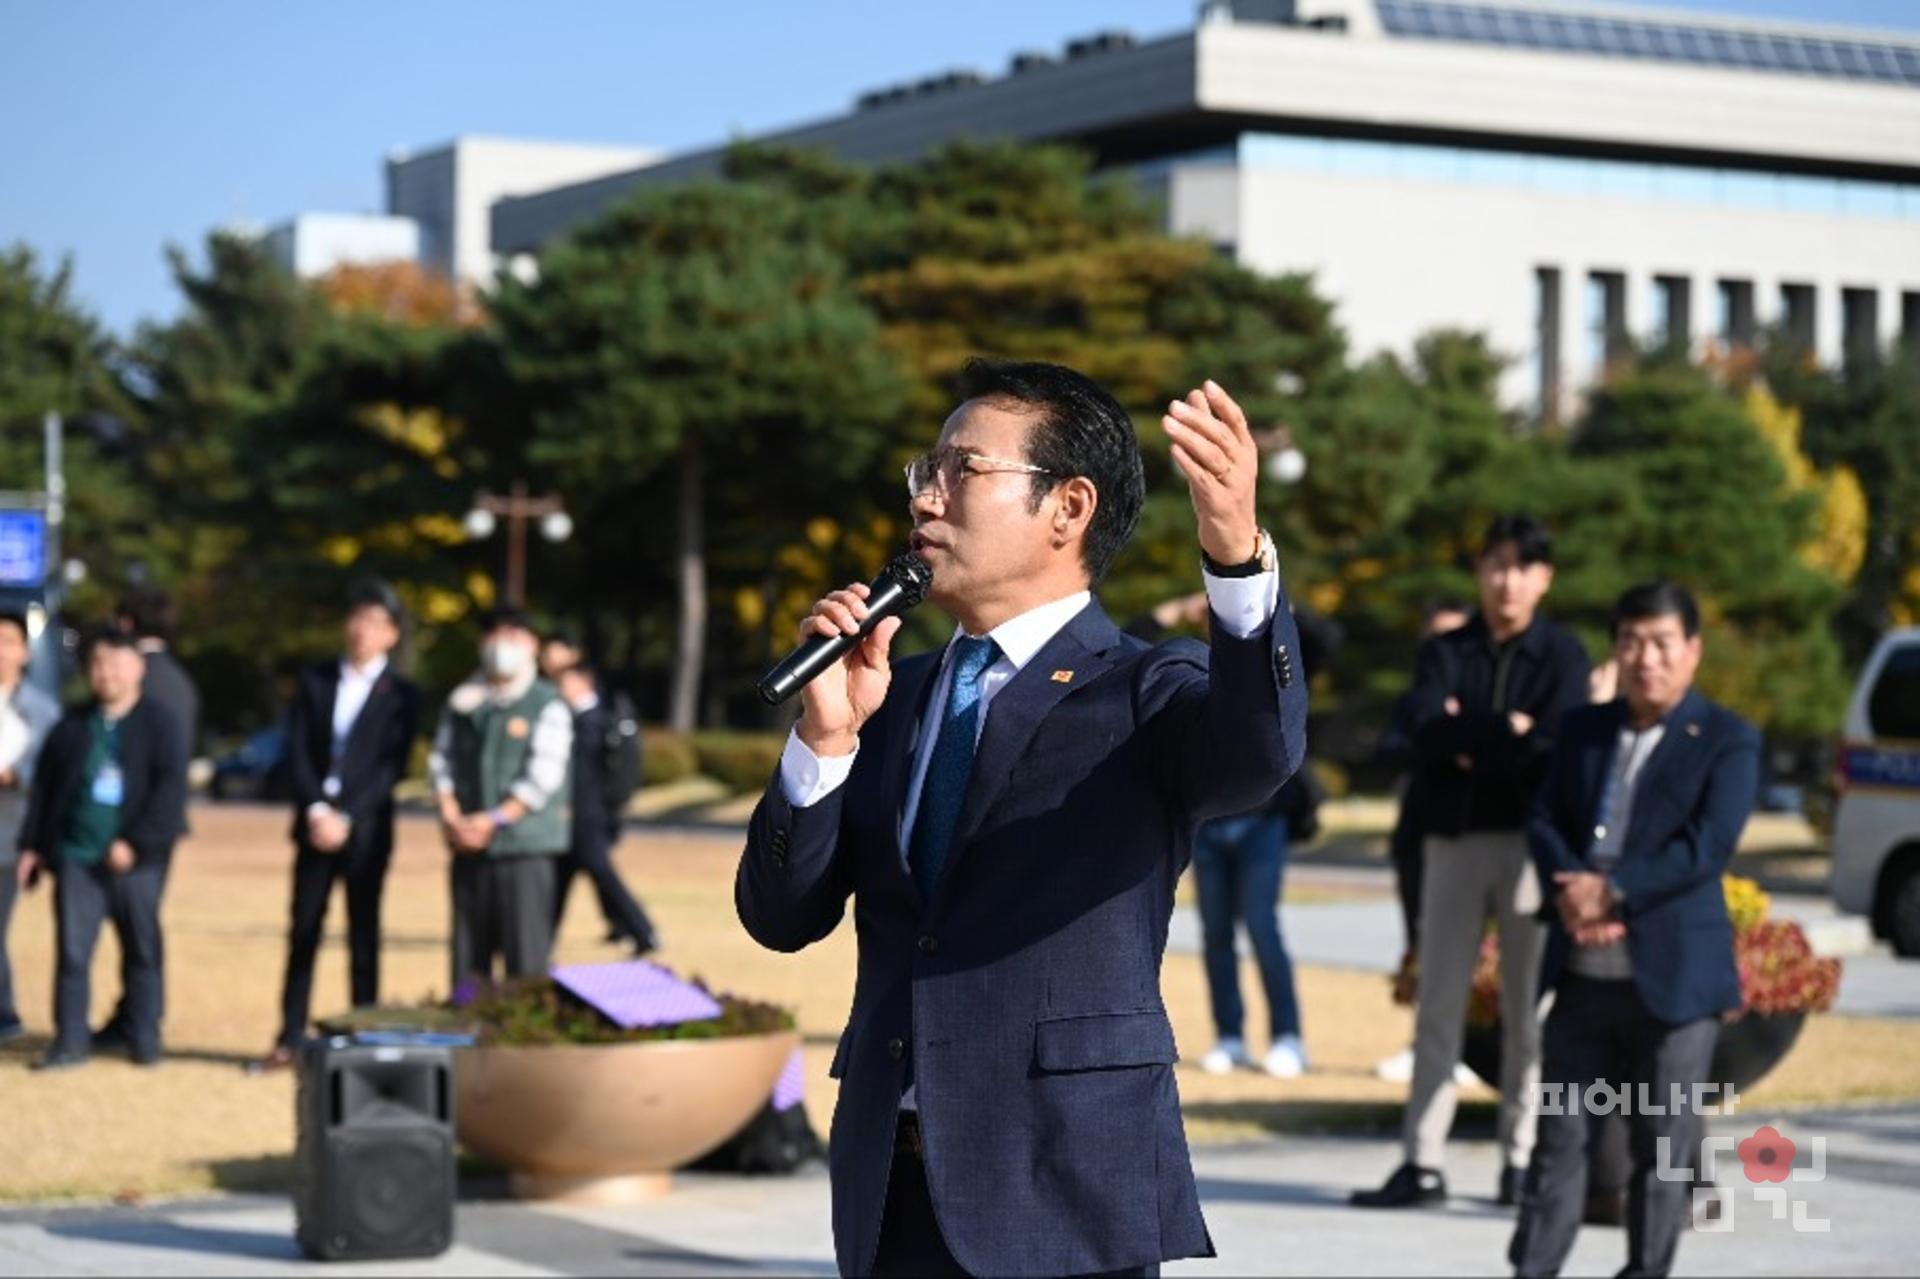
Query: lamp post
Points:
[517, 508]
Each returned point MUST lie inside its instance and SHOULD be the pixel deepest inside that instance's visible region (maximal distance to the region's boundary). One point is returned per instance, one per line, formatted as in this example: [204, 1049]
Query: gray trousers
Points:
[9, 890]
[502, 906]
[1466, 881]
[84, 897]
[1601, 1031]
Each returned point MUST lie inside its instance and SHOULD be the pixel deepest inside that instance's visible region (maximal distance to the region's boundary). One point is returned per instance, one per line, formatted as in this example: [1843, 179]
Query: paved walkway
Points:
[1275, 1207]
[1364, 933]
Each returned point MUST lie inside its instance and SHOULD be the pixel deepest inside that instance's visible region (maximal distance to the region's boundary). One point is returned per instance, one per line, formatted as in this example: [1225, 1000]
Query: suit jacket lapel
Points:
[363, 722]
[1016, 713]
[915, 689]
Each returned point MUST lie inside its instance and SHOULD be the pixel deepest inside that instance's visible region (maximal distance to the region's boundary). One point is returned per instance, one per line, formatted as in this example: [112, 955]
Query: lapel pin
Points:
[1063, 677]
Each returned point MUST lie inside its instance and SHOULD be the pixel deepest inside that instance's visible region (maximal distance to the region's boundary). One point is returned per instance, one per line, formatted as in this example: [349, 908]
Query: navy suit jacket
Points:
[1692, 799]
[1025, 995]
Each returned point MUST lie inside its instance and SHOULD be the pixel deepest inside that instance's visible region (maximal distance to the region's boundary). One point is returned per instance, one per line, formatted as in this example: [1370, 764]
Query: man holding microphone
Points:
[1010, 815]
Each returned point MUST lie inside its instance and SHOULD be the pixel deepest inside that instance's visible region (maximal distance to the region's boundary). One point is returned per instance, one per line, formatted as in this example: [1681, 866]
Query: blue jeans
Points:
[1238, 863]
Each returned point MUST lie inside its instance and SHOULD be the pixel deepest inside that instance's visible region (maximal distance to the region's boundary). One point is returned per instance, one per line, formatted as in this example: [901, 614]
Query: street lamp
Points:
[517, 508]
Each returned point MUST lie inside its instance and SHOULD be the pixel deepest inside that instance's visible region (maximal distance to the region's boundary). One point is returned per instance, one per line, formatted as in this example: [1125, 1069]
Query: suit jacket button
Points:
[780, 840]
[896, 1049]
[928, 945]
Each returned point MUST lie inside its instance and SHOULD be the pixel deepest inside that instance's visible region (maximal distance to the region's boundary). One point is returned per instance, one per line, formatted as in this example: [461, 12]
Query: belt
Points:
[906, 1136]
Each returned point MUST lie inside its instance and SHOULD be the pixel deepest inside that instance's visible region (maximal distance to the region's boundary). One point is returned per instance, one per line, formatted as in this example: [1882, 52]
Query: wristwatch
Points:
[1265, 560]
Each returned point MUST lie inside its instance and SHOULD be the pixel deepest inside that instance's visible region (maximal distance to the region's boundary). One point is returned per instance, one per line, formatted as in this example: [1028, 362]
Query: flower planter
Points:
[607, 1123]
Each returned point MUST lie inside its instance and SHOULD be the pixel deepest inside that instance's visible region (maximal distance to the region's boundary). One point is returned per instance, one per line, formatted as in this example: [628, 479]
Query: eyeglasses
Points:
[941, 470]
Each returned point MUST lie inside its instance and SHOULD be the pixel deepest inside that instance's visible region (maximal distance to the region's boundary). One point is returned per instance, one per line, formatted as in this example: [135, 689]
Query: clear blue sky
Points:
[129, 125]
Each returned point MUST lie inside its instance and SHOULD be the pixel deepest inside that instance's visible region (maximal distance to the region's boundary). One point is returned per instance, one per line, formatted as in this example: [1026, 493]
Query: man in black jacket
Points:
[349, 733]
[103, 817]
[596, 821]
[1486, 701]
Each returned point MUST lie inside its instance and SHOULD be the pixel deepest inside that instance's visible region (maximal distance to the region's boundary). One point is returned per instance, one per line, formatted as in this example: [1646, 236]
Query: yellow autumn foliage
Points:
[1839, 541]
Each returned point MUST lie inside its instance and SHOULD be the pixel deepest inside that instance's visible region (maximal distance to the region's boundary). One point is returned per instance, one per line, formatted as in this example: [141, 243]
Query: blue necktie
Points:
[945, 787]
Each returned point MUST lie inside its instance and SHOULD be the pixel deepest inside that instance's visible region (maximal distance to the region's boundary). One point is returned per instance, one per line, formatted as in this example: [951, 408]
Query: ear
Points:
[1074, 503]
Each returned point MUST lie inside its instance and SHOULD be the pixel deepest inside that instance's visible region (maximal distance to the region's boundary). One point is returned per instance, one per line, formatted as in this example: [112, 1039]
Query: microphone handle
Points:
[886, 598]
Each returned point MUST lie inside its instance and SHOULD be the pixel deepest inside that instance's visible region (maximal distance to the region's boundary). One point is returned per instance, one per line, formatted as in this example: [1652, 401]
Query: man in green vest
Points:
[501, 777]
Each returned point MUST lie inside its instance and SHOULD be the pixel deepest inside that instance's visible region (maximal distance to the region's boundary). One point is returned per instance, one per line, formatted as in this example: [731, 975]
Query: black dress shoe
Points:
[11, 1030]
[111, 1037]
[59, 1059]
[144, 1056]
[1410, 1186]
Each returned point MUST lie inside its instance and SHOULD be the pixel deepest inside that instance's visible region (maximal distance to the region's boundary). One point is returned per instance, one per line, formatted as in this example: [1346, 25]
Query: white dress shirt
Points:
[349, 699]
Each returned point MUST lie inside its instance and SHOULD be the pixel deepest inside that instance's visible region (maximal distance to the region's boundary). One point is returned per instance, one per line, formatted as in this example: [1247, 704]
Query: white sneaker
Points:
[1224, 1056]
[1397, 1069]
[1286, 1059]
[1463, 1076]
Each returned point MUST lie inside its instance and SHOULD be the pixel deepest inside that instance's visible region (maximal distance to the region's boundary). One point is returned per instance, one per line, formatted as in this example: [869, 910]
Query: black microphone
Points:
[900, 586]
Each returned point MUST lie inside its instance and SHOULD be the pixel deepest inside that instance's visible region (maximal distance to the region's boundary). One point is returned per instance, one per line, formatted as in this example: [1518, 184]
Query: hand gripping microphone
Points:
[900, 586]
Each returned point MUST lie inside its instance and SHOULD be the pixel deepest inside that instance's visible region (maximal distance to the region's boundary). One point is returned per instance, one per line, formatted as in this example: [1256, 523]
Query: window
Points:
[1859, 324]
[1893, 708]
[1607, 337]
[1797, 315]
[1735, 323]
[1910, 319]
[1546, 292]
[1672, 310]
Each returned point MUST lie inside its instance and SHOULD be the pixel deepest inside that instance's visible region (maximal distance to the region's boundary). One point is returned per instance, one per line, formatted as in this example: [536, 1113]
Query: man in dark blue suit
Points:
[1644, 801]
[1010, 815]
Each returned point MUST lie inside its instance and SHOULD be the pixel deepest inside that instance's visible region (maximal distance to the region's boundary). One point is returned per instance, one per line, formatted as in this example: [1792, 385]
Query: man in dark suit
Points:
[103, 817]
[1641, 810]
[349, 734]
[596, 820]
[1010, 816]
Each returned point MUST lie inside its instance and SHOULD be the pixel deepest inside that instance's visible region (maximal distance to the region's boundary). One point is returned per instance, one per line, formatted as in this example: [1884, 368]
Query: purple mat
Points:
[637, 993]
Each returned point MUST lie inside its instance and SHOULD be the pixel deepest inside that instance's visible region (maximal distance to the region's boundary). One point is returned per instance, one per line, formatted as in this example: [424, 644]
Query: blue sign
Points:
[1881, 766]
[23, 548]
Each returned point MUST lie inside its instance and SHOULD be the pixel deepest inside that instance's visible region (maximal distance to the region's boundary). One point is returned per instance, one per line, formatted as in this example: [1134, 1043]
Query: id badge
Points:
[109, 788]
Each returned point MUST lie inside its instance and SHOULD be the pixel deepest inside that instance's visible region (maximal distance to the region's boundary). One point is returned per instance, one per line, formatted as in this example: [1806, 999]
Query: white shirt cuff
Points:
[1243, 604]
[807, 778]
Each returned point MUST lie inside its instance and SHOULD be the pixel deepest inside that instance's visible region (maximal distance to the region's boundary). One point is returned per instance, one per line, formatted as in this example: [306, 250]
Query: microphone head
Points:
[914, 574]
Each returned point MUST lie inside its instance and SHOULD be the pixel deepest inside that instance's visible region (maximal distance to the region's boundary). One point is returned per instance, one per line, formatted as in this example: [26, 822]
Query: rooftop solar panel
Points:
[1678, 41]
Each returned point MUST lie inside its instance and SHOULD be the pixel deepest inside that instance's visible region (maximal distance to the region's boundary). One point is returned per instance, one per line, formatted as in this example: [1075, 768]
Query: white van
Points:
[1876, 824]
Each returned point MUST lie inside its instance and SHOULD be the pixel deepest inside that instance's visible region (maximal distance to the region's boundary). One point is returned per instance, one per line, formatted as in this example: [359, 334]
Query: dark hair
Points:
[1528, 535]
[371, 592]
[560, 635]
[107, 636]
[10, 618]
[1655, 599]
[504, 615]
[149, 611]
[1079, 430]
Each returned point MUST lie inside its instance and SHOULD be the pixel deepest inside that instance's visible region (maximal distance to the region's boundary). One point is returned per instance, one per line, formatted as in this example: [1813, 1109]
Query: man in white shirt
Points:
[1009, 816]
[350, 733]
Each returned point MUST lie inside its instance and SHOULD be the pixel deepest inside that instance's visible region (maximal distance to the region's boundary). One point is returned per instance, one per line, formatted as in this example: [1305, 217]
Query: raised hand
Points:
[844, 697]
[1214, 449]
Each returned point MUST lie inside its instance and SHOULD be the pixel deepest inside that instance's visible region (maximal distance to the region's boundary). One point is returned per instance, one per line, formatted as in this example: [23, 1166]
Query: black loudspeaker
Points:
[373, 1161]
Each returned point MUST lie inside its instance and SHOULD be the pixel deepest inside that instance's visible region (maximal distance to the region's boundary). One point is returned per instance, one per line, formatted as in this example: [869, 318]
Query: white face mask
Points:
[505, 659]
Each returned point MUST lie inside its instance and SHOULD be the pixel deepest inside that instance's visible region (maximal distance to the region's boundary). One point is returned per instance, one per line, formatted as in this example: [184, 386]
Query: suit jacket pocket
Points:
[1104, 1041]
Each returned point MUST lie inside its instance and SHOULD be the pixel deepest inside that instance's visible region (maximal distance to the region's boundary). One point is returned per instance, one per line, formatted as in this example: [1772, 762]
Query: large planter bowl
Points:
[608, 1123]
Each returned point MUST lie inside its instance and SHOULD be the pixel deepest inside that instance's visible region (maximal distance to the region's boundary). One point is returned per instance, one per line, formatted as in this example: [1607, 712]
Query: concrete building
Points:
[314, 243]
[1562, 177]
[449, 191]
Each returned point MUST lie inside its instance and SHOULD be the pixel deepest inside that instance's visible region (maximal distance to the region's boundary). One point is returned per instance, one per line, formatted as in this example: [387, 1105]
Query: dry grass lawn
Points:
[199, 1123]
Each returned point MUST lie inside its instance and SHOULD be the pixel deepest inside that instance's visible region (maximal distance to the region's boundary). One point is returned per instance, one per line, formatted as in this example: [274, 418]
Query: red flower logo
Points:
[1767, 1156]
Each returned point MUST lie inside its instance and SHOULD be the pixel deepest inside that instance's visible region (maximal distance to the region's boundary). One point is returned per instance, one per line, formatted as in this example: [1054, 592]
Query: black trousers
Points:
[85, 897]
[314, 874]
[592, 856]
[910, 1240]
[1601, 1032]
[9, 890]
[502, 907]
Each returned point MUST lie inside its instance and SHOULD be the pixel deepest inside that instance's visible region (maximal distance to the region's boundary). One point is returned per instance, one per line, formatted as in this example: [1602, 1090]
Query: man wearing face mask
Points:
[502, 780]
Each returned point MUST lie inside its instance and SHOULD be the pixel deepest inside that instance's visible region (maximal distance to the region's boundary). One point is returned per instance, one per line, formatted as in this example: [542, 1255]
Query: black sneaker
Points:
[59, 1059]
[1512, 1182]
[146, 1058]
[1410, 1186]
[11, 1029]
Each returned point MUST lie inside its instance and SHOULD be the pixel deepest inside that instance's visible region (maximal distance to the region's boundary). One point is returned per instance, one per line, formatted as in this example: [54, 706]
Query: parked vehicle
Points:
[256, 769]
[1876, 825]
